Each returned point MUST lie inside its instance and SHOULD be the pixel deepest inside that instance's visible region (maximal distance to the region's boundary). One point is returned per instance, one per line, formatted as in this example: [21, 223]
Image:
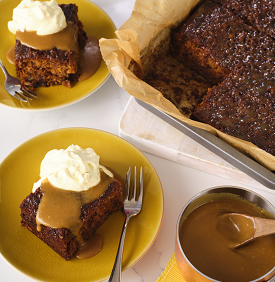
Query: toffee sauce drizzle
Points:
[65, 39]
[89, 58]
[62, 208]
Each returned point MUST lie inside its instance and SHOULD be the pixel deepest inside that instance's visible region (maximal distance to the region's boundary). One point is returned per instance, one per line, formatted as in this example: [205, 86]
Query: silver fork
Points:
[13, 87]
[132, 206]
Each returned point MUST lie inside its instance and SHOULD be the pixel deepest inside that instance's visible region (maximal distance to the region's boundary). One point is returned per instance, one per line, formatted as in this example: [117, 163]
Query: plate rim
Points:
[58, 106]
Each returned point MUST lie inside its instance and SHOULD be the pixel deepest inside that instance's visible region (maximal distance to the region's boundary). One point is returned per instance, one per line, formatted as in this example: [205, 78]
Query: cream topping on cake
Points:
[43, 17]
[73, 169]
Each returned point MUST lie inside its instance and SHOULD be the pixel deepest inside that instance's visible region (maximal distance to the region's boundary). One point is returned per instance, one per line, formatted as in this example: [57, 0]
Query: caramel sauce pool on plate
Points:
[90, 58]
[10, 55]
[208, 250]
[90, 247]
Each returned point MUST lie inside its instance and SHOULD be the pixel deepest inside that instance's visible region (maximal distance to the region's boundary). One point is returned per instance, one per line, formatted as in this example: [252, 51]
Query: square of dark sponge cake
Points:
[93, 215]
[55, 66]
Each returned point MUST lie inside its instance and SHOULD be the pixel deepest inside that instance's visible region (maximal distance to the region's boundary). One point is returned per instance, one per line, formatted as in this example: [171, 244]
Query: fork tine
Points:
[140, 197]
[14, 88]
[29, 92]
[134, 192]
[25, 94]
[127, 184]
[20, 96]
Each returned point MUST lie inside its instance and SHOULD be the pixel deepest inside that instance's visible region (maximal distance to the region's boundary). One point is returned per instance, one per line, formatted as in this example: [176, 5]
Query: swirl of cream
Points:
[43, 17]
[73, 169]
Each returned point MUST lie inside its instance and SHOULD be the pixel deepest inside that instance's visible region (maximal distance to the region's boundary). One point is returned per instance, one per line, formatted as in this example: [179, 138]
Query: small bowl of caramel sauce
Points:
[203, 253]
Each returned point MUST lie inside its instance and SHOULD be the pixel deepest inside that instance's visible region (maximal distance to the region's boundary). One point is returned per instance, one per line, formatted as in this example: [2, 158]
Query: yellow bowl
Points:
[28, 254]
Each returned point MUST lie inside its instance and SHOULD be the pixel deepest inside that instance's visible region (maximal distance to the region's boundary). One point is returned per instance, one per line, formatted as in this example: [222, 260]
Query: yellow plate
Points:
[31, 256]
[96, 22]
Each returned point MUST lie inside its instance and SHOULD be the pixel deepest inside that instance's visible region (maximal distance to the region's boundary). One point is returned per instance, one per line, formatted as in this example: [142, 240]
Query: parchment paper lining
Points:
[130, 56]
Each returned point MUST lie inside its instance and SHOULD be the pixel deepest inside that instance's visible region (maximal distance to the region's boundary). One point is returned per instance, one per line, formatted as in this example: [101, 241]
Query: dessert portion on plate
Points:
[50, 43]
[73, 197]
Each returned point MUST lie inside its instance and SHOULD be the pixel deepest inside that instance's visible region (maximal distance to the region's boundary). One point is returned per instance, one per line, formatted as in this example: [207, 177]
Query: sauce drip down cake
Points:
[47, 56]
[74, 196]
[51, 47]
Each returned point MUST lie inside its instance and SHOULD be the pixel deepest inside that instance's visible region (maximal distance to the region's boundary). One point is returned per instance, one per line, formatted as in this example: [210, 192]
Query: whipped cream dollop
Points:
[43, 17]
[73, 169]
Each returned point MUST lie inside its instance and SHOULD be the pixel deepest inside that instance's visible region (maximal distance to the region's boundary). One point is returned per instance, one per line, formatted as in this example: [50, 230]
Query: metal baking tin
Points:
[218, 147]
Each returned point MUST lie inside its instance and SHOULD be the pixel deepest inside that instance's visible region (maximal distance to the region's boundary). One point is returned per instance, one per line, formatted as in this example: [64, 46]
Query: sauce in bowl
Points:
[208, 250]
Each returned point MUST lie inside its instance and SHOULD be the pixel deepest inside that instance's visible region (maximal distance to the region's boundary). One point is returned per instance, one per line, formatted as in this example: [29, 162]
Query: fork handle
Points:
[116, 272]
[3, 69]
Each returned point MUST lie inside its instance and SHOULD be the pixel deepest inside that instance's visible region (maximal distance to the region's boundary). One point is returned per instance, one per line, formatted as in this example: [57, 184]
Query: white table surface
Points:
[179, 182]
